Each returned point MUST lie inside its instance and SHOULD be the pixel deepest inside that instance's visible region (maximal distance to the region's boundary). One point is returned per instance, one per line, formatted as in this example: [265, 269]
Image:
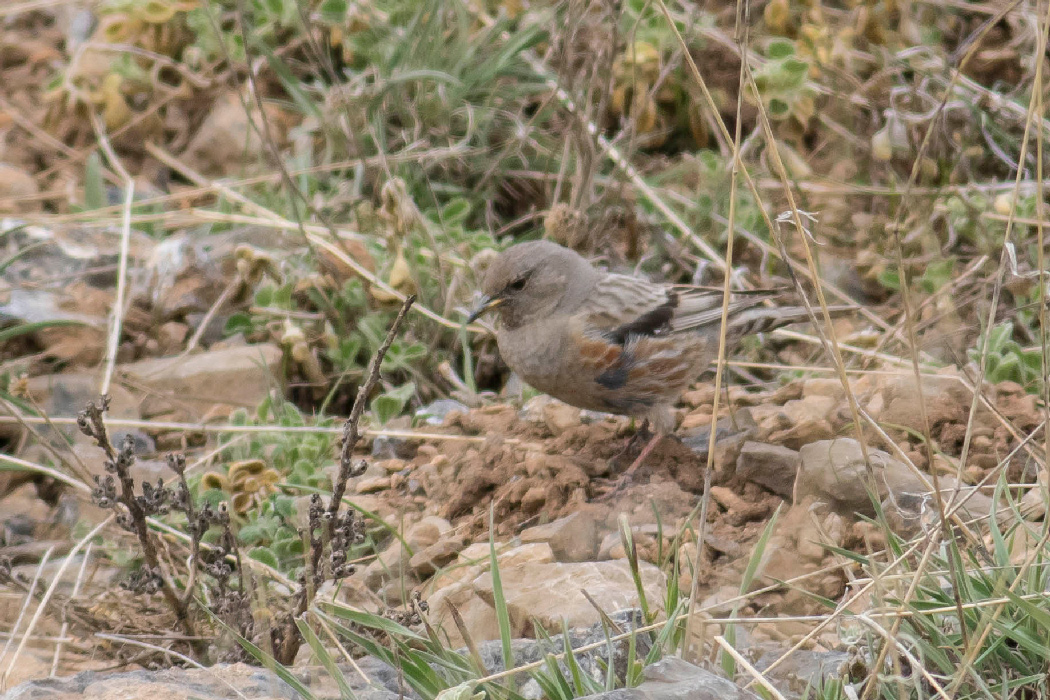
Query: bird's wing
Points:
[702, 306]
[622, 306]
[619, 300]
[642, 342]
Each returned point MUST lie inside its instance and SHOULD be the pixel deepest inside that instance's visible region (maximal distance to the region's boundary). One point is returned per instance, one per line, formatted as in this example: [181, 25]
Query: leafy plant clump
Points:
[1006, 360]
[220, 588]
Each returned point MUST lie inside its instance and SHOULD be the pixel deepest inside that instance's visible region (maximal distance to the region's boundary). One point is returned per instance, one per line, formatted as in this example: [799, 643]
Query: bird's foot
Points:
[642, 434]
[619, 487]
[627, 478]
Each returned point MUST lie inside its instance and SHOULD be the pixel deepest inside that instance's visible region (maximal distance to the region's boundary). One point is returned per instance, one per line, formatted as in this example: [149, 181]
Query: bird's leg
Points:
[643, 433]
[646, 451]
[628, 476]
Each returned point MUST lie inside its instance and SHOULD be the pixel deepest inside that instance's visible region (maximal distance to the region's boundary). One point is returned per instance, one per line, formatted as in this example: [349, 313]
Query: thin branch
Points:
[351, 431]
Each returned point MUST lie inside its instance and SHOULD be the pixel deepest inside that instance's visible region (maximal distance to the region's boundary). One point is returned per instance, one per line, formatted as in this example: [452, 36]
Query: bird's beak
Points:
[487, 303]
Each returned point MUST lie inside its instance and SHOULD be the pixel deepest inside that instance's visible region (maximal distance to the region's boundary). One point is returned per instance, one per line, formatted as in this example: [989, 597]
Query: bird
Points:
[611, 342]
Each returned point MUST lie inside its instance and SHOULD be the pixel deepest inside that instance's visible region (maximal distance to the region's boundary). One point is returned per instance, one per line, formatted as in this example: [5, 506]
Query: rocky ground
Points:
[781, 530]
[544, 471]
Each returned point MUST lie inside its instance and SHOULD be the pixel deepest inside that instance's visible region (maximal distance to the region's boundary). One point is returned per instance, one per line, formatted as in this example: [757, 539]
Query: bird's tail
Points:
[762, 319]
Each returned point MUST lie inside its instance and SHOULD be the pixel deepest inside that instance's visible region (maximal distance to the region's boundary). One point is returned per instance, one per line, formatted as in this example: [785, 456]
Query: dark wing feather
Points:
[653, 322]
[620, 300]
[620, 311]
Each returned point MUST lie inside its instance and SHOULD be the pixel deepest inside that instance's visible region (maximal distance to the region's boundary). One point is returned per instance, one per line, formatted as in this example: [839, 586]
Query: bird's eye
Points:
[518, 284]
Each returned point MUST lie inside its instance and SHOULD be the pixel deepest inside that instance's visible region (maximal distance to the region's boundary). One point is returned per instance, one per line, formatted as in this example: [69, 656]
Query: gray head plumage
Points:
[535, 280]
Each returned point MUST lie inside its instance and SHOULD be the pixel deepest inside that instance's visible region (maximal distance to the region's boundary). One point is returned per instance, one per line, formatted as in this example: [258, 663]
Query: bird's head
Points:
[531, 281]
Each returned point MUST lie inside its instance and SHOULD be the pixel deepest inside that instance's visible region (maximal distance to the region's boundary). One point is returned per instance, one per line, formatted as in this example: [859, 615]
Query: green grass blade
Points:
[265, 659]
[500, 601]
[728, 662]
[371, 621]
[28, 328]
[326, 660]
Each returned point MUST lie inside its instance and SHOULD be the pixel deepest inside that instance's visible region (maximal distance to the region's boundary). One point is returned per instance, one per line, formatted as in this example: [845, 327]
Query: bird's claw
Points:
[619, 487]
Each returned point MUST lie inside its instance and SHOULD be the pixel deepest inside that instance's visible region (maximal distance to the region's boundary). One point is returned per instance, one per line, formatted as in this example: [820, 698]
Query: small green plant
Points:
[704, 179]
[994, 649]
[1006, 360]
[782, 82]
[937, 274]
[267, 479]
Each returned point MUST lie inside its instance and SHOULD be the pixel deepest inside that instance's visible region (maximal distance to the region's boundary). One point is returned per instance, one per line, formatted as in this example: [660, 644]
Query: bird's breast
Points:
[590, 370]
[555, 358]
[538, 353]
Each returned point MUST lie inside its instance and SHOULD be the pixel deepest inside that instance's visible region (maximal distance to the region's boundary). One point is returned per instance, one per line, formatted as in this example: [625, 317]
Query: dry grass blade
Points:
[746, 665]
[51, 589]
[250, 429]
[65, 621]
[322, 242]
[21, 615]
[47, 471]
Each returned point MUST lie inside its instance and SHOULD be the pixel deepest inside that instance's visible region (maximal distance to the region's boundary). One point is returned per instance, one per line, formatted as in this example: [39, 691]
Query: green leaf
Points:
[291, 83]
[264, 295]
[780, 49]
[284, 506]
[263, 658]
[999, 336]
[252, 533]
[275, 7]
[333, 11]
[348, 350]
[455, 212]
[94, 184]
[371, 621]
[392, 403]
[778, 109]
[238, 323]
[288, 549]
[750, 572]
[1033, 360]
[326, 659]
[265, 556]
[402, 356]
[938, 273]
[282, 296]
[890, 279]
[29, 328]
[795, 70]
[499, 601]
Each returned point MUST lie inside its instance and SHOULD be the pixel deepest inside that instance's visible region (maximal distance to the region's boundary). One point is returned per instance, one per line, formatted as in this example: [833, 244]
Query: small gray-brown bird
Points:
[610, 342]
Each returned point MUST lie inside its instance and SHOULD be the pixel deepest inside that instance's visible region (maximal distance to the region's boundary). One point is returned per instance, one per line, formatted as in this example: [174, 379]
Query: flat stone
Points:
[393, 563]
[803, 669]
[386, 447]
[740, 422]
[572, 538]
[674, 679]
[188, 388]
[560, 417]
[171, 684]
[771, 466]
[435, 412]
[427, 561]
[218, 682]
[834, 471]
[549, 594]
[373, 485]
[454, 585]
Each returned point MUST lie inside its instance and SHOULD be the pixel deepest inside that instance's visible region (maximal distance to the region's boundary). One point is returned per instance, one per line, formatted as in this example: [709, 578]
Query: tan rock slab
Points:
[195, 386]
